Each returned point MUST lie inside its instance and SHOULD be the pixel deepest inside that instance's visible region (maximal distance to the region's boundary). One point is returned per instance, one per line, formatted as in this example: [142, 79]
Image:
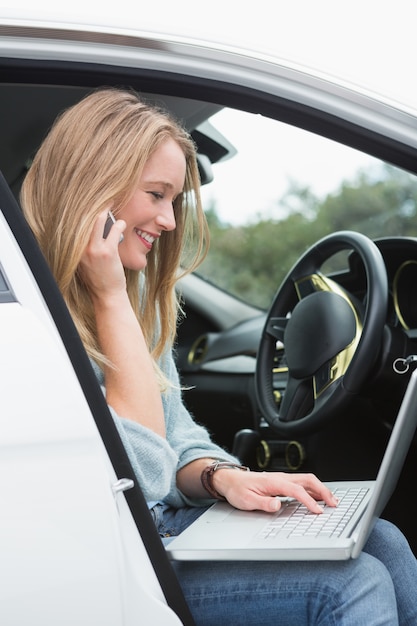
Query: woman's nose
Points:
[166, 217]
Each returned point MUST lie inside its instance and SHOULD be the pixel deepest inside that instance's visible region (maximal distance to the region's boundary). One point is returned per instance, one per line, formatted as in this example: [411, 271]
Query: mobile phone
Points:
[109, 223]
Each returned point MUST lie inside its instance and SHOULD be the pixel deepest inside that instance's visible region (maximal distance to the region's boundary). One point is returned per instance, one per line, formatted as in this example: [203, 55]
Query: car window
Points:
[284, 189]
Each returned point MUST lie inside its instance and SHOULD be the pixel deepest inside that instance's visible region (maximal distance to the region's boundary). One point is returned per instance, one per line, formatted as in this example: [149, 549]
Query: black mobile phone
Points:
[107, 226]
[109, 223]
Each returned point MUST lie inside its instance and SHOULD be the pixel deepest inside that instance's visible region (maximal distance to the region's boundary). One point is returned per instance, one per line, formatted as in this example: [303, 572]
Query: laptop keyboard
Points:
[295, 520]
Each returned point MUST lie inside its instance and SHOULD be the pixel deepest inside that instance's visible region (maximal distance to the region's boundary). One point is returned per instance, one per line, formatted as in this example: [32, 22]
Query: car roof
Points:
[191, 76]
[362, 45]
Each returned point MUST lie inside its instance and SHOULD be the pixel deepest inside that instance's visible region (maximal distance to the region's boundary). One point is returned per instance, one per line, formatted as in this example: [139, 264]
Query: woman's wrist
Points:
[207, 476]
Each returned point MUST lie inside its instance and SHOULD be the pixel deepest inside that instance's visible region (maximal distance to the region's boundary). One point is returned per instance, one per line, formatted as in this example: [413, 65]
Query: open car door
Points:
[77, 541]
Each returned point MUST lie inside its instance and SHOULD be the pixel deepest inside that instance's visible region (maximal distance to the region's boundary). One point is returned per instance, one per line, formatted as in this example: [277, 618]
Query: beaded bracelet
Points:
[207, 476]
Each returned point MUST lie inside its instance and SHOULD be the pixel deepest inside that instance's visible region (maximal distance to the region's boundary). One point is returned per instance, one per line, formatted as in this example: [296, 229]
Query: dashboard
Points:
[217, 367]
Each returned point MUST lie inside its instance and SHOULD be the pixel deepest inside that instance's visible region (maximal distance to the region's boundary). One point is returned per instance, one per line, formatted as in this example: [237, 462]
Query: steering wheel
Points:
[330, 341]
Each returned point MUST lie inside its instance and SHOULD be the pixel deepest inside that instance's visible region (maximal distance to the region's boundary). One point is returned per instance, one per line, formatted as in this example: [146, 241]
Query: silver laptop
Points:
[224, 533]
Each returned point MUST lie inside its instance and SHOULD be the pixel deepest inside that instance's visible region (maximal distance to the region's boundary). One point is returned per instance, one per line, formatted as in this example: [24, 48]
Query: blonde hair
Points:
[93, 158]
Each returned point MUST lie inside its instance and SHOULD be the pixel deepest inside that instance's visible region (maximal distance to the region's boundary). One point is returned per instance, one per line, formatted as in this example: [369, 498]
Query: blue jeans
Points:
[378, 588]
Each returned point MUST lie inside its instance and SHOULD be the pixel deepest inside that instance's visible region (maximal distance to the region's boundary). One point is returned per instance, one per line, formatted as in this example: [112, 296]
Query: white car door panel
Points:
[69, 544]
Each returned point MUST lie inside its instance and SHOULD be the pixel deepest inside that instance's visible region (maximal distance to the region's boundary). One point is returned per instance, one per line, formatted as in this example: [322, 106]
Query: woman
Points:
[114, 153]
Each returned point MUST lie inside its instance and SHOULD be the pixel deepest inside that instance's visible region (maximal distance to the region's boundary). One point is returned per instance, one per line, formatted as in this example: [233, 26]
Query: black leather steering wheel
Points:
[330, 341]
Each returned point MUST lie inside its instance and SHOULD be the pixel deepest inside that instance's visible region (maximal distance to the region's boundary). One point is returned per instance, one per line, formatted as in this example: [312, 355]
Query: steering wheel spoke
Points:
[330, 346]
[298, 399]
[275, 327]
[324, 377]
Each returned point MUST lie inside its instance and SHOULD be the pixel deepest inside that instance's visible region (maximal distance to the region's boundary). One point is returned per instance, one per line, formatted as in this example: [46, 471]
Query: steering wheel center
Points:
[320, 327]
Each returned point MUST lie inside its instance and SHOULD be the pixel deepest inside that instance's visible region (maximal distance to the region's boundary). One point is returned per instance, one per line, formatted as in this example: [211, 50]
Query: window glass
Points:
[284, 189]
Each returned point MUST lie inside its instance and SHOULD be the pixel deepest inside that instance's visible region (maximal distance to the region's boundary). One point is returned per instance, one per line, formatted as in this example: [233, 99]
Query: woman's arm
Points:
[189, 478]
[244, 490]
[255, 490]
[132, 387]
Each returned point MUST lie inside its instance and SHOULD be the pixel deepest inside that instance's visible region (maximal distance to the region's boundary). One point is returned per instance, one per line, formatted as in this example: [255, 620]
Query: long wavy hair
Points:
[93, 158]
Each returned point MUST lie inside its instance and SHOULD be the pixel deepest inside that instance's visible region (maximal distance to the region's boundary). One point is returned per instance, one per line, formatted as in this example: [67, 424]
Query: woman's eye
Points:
[157, 195]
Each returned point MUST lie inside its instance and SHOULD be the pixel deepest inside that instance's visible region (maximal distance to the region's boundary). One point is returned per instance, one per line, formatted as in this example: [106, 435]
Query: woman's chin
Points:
[137, 264]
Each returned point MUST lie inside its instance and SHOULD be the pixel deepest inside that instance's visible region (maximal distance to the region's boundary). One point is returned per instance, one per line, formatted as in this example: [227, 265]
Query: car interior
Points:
[241, 364]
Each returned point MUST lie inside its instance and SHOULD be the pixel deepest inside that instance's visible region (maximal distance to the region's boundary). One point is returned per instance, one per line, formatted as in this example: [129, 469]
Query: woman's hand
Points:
[101, 267]
[132, 388]
[259, 490]
[251, 491]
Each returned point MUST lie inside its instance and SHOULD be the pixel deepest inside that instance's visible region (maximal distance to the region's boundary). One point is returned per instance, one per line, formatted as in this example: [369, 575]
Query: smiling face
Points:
[150, 210]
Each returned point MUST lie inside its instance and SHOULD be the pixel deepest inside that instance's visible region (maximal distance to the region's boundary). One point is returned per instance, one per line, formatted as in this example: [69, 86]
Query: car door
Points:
[71, 551]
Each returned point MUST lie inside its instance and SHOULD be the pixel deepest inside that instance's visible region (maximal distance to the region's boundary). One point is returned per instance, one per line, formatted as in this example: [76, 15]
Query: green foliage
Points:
[251, 260]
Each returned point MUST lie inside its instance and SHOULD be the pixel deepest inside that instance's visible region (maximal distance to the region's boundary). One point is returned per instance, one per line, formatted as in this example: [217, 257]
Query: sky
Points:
[246, 182]
[369, 42]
